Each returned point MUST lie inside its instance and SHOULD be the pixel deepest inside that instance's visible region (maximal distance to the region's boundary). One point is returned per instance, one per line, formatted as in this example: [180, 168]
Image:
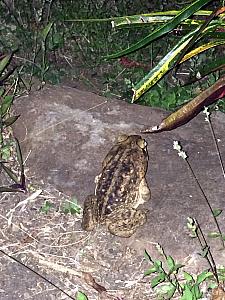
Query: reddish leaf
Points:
[130, 63]
[191, 109]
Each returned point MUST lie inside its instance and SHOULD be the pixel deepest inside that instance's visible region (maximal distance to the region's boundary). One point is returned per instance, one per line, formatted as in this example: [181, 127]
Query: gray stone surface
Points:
[66, 133]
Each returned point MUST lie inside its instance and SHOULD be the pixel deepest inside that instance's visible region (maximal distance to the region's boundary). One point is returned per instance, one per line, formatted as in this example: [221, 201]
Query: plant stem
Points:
[210, 259]
[217, 148]
[167, 276]
[207, 201]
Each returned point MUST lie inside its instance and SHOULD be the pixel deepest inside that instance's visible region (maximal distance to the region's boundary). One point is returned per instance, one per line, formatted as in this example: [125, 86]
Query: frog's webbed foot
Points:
[125, 222]
[90, 213]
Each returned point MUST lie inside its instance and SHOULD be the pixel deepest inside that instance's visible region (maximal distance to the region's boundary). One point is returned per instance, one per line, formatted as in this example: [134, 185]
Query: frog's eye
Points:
[121, 138]
[142, 143]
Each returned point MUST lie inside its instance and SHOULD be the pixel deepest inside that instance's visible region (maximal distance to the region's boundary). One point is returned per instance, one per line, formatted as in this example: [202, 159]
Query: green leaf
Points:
[158, 279]
[201, 49]
[81, 296]
[181, 16]
[2, 91]
[71, 207]
[4, 62]
[196, 291]
[151, 19]
[221, 269]
[212, 285]
[166, 64]
[161, 68]
[158, 264]
[187, 294]
[5, 152]
[177, 267]
[46, 31]
[188, 277]
[137, 18]
[217, 212]
[46, 207]
[222, 278]
[203, 276]
[213, 235]
[5, 105]
[150, 271]
[167, 290]
[198, 34]
[170, 263]
[10, 173]
[171, 291]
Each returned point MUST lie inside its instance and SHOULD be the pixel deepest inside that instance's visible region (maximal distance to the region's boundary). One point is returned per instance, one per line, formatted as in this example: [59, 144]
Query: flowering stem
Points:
[207, 201]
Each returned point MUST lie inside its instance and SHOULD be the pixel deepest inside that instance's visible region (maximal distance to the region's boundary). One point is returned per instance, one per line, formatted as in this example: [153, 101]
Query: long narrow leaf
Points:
[195, 37]
[161, 68]
[181, 16]
[19, 154]
[46, 31]
[167, 63]
[201, 49]
[20, 160]
[192, 108]
[5, 105]
[10, 173]
[141, 20]
[5, 189]
[9, 121]
[4, 62]
[130, 19]
[6, 75]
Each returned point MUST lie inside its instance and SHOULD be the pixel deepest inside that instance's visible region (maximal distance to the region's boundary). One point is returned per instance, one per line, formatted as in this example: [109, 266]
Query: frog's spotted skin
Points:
[120, 189]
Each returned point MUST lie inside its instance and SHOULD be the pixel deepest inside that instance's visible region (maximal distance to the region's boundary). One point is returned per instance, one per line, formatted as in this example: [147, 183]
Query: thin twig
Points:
[36, 273]
[210, 259]
[217, 148]
[207, 201]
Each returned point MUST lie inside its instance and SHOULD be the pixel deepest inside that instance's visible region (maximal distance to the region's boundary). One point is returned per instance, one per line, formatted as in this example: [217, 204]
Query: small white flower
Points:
[207, 113]
[176, 146]
[198, 75]
[182, 154]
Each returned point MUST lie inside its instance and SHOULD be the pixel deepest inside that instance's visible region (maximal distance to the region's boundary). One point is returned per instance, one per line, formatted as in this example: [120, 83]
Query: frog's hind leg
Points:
[125, 221]
[90, 213]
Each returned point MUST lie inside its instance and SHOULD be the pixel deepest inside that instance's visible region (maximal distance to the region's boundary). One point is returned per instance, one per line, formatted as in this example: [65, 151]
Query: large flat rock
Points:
[67, 134]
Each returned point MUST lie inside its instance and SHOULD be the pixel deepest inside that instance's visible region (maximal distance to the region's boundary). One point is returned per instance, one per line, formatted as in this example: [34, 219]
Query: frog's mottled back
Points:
[121, 185]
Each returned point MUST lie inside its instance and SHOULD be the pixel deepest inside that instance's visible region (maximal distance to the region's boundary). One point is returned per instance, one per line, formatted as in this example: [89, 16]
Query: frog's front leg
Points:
[90, 213]
[144, 193]
[125, 221]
